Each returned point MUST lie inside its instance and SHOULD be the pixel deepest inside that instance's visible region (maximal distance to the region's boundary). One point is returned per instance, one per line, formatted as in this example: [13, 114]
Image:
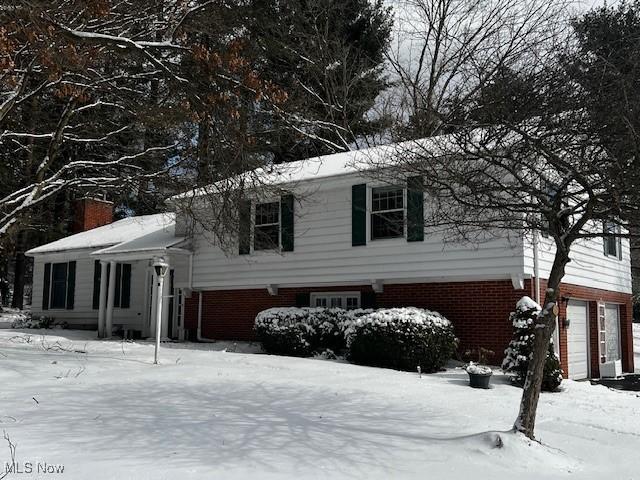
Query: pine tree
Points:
[520, 348]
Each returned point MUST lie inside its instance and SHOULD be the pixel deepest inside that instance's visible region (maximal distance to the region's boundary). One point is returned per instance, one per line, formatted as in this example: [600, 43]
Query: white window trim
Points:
[370, 213]
[618, 254]
[252, 235]
[66, 287]
[602, 354]
[343, 295]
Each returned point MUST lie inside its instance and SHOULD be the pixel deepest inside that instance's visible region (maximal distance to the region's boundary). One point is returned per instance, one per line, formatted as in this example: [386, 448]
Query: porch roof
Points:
[157, 243]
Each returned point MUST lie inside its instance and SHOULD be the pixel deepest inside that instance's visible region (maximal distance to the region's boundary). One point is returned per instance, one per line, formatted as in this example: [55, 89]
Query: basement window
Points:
[346, 300]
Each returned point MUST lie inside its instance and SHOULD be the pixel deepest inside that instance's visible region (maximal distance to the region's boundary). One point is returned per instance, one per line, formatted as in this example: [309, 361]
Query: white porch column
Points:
[103, 298]
[154, 304]
[166, 292]
[110, 299]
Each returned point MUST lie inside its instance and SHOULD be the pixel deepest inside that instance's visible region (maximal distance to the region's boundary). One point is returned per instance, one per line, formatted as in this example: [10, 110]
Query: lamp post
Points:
[161, 267]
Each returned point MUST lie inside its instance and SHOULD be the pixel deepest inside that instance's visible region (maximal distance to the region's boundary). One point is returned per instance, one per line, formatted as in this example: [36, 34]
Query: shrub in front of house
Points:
[518, 353]
[302, 332]
[401, 338]
[286, 331]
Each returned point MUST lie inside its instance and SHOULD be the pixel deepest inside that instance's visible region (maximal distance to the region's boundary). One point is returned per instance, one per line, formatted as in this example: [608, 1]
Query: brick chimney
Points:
[91, 213]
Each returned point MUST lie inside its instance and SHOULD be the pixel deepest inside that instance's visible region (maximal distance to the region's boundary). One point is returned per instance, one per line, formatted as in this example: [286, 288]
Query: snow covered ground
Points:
[101, 409]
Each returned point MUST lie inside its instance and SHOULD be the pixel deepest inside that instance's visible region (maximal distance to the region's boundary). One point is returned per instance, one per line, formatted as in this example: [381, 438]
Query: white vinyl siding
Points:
[589, 267]
[83, 313]
[324, 254]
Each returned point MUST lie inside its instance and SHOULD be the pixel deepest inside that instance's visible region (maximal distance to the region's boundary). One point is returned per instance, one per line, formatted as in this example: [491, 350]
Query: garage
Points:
[578, 339]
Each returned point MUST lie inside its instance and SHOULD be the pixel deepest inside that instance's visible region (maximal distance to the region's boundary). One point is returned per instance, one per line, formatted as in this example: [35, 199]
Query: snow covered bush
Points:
[401, 338]
[303, 331]
[286, 331]
[26, 320]
[520, 349]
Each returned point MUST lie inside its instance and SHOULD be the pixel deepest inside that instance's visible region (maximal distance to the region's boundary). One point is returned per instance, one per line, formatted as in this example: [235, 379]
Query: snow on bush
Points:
[401, 338]
[303, 331]
[520, 349]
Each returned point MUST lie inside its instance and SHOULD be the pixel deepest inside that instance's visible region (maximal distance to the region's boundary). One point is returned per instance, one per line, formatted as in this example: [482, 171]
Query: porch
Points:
[136, 259]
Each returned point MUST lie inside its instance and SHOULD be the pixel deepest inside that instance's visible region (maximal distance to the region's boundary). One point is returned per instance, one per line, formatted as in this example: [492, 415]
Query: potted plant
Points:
[479, 373]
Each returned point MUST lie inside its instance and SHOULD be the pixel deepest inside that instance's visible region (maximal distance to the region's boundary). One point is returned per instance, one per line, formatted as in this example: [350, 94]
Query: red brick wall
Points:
[479, 311]
[90, 213]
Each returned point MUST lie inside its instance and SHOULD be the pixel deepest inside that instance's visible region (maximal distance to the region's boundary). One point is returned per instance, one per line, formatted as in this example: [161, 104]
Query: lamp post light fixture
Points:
[161, 267]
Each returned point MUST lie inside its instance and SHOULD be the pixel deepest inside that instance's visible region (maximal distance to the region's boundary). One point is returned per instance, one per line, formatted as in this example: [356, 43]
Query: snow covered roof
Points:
[126, 230]
[158, 240]
[333, 165]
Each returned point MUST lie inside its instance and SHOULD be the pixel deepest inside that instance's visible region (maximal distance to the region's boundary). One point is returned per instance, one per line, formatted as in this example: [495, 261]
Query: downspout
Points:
[199, 336]
[536, 266]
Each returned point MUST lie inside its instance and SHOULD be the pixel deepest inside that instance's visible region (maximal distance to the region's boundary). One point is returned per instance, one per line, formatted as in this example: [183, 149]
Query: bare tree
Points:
[446, 48]
[527, 156]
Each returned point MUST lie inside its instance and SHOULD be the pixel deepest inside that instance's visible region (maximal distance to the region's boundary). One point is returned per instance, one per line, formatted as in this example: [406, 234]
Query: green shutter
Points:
[286, 222]
[415, 209]
[46, 286]
[125, 302]
[71, 285]
[118, 292]
[359, 215]
[244, 228]
[97, 272]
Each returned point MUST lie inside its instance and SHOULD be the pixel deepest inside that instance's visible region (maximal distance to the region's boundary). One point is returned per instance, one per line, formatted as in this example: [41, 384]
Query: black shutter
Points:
[359, 215]
[126, 286]
[46, 286]
[244, 229]
[118, 292]
[71, 284]
[97, 272]
[286, 222]
[303, 299]
[368, 300]
[415, 209]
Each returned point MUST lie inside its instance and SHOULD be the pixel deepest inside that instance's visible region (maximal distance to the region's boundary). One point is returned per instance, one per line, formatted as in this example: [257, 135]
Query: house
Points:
[333, 240]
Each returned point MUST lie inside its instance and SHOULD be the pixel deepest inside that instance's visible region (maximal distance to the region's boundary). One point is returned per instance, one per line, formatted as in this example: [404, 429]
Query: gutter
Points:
[199, 336]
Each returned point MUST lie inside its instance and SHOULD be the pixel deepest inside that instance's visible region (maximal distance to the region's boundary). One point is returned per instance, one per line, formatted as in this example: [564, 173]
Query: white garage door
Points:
[578, 339]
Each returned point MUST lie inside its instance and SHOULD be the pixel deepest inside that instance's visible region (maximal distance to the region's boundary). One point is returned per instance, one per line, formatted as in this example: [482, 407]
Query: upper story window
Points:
[612, 245]
[387, 212]
[267, 226]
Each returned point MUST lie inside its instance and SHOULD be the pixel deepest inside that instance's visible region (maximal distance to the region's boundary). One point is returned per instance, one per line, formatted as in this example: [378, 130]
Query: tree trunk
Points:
[20, 265]
[526, 420]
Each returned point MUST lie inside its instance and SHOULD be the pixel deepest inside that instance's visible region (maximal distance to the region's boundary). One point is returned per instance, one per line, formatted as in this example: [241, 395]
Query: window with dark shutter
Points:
[125, 301]
[71, 285]
[97, 272]
[387, 212]
[58, 285]
[266, 231]
[415, 209]
[244, 227]
[286, 215]
[46, 286]
[118, 289]
[359, 215]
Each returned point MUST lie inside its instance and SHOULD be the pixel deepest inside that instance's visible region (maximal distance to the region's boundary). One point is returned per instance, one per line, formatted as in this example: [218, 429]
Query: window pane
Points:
[266, 237]
[352, 303]
[336, 302]
[612, 333]
[321, 302]
[387, 199]
[387, 225]
[267, 213]
[59, 285]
